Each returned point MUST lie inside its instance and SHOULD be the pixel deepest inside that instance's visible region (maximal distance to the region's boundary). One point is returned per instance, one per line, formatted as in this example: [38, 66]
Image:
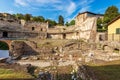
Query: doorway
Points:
[64, 36]
[5, 34]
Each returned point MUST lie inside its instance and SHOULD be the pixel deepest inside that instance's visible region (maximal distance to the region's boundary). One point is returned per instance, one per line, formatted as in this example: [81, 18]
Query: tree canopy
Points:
[110, 13]
[60, 20]
[38, 18]
[72, 22]
[27, 17]
[51, 23]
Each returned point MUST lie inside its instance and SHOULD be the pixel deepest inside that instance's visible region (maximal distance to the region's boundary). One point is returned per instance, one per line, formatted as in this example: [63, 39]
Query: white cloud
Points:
[21, 2]
[63, 7]
[48, 1]
[83, 9]
[71, 8]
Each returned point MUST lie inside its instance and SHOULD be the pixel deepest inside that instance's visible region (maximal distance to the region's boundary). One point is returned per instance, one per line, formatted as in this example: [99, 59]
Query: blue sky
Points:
[53, 8]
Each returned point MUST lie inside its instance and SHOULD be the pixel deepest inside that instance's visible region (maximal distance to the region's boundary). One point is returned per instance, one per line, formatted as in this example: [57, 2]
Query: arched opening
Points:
[64, 36]
[5, 34]
[4, 50]
[33, 28]
[116, 50]
[100, 38]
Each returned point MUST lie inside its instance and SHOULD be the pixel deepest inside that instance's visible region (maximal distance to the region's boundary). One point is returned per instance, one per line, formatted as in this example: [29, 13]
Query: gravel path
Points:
[45, 63]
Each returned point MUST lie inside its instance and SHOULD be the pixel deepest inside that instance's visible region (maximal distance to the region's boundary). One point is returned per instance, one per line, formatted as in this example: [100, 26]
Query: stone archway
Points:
[7, 42]
[4, 45]
[4, 50]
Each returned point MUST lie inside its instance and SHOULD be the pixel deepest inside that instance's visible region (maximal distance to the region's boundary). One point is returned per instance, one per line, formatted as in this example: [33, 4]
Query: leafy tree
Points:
[67, 24]
[27, 17]
[61, 20]
[38, 19]
[110, 14]
[41, 18]
[72, 22]
[18, 16]
[51, 23]
[99, 23]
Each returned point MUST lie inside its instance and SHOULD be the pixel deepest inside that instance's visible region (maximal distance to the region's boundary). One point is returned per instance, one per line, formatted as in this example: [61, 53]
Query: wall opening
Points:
[100, 38]
[64, 36]
[41, 29]
[77, 33]
[4, 50]
[33, 28]
[5, 34]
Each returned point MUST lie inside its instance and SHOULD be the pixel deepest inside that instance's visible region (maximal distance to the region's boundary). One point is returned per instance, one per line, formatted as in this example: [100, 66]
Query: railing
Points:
[114, 37]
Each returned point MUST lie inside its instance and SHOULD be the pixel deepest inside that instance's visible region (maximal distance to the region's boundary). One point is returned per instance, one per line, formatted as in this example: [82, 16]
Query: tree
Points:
[27, 17]
[41, 18]
[19, 16]
[72, 22]
[99, 25]
[51, 23]
[38, 19]
[67, 24]
[110, 14]
[61, 20]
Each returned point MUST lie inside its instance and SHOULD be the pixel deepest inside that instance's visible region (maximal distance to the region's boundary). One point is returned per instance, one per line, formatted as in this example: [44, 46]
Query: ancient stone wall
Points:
[86, 25]
[101, 36]
[18, 35]
[55, 36]
[36, 26]
[19, 48]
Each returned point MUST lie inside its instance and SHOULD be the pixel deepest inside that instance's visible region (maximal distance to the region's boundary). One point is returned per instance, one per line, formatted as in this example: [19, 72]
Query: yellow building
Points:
[114, 30]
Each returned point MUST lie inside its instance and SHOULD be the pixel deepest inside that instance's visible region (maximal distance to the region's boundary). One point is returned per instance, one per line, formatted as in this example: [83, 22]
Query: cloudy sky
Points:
[53, 8]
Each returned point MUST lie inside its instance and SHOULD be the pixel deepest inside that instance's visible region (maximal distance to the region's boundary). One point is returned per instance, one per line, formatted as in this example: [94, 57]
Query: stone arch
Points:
[4, 45]
[8, 42]
[106, 48]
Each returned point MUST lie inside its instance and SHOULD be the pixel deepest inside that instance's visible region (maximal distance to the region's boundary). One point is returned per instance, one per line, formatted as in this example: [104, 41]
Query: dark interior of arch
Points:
[4, 46]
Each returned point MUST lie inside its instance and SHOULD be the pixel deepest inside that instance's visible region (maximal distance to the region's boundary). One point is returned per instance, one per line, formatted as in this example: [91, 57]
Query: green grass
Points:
[10, 74]
[107, 70]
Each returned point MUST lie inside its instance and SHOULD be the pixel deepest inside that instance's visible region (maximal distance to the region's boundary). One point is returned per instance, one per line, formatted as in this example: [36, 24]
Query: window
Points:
[117, 30]
[41, 29]
[33, 28]
[5, 34]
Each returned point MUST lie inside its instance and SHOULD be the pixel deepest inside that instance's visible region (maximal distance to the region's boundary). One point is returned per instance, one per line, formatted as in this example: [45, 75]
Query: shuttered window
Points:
[117, 30]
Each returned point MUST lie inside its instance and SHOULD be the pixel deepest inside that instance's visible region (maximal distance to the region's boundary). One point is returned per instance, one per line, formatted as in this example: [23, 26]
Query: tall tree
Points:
[61, 20]
[41, 18]
[38, 19]
[27, 17]
[67, 24]
[19, 16]
[110, 14]
[51, 23]
[72, 22]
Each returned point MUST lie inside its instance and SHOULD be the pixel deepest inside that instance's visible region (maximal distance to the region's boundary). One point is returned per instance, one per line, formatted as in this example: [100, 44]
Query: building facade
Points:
[114, 30]
[13, 28]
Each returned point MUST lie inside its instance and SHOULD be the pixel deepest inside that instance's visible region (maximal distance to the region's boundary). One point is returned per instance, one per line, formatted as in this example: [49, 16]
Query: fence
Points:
[114, 37]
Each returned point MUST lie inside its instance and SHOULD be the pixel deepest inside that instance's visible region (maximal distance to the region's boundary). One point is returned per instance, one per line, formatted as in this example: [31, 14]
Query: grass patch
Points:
[10, 74]
[107, 70]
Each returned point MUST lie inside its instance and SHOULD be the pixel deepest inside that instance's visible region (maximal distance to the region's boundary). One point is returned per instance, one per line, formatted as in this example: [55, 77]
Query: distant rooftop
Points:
[90, 13]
